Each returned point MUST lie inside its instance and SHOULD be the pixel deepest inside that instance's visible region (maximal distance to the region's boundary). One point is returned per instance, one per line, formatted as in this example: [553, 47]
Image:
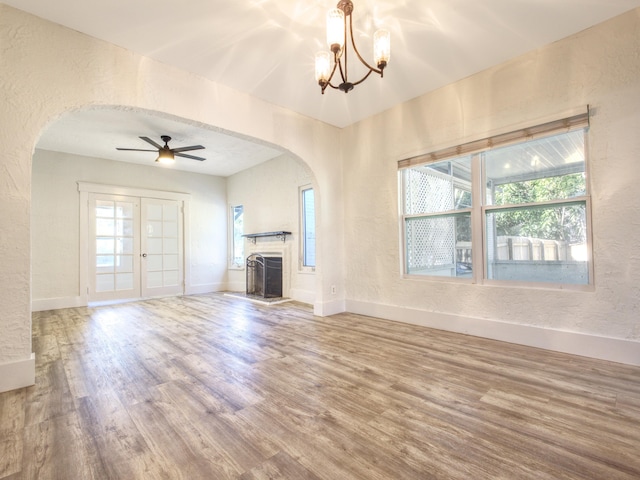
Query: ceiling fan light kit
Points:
[167, 155]
[339, 34]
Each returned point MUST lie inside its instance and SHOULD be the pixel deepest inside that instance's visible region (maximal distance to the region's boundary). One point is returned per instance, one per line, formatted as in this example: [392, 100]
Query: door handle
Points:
[144, 255]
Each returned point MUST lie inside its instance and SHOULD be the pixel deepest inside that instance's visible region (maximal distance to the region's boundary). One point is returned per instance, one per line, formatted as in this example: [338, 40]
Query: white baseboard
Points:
[43, 304]
[205, 288]
[325, 309]
[18, 374]
[603, 348]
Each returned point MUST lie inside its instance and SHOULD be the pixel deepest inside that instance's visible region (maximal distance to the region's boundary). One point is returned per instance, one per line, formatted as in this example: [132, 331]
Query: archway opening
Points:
[80, 148]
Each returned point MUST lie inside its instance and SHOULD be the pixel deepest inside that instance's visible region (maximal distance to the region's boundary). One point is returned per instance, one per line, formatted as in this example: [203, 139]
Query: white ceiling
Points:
[98, 132]
[266, 48]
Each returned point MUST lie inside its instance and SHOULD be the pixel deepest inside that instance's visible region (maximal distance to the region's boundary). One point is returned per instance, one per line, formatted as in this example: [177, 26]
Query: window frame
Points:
[480, 209]
[232, 264]
[302, 244]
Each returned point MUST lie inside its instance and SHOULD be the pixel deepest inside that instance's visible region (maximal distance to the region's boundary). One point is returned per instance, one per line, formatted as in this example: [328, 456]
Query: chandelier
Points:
[339, 31]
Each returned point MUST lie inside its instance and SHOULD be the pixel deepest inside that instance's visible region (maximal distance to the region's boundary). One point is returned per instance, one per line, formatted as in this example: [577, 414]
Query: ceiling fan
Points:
[166, 154]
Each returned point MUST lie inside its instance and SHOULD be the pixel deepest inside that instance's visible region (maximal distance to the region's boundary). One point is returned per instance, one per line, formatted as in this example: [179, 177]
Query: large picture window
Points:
[518, 212]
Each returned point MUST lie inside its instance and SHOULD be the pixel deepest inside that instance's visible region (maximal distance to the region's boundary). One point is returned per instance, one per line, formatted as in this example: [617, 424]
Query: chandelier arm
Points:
[327, 83]
[336, 63]
[324, 87]
[363, 78]
[355, 49]
[343, 73]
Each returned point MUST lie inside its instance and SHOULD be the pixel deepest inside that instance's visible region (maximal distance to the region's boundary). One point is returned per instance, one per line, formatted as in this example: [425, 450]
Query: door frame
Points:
[85, 188]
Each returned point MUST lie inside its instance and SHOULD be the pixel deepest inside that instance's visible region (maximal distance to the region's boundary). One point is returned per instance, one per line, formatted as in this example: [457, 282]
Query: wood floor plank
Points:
[215, 387]
[51, 395]
[84, 371]
[279, 467]
[11, 452]
[120, 448]
[12, 422]
[289, 426]
[172, 449]
[212, 433]
[58, 448]
[12, 411]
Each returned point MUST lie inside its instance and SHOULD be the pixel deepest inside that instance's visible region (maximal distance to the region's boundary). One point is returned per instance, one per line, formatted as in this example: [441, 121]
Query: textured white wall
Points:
[599, 67]
[48, 70]
[56, 227]
[269, 193]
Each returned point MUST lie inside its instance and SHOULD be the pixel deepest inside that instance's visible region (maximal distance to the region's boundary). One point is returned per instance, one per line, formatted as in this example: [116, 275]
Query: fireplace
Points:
[264, 275]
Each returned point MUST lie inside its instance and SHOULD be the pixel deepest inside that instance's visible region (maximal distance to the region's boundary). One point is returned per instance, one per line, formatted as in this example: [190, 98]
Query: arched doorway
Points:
[76, 158]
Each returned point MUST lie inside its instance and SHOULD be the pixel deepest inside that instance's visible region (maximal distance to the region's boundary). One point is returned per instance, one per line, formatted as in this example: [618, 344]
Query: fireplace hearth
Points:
[264, 275]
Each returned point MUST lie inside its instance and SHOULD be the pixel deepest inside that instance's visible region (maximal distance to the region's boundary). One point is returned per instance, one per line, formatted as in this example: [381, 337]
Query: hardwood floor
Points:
[213, 387]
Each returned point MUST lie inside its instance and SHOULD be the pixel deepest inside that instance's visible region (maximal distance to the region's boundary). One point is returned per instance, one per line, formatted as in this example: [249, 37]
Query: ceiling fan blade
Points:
[135, 149]
[192, 157]
[148, 140]
[186, 149]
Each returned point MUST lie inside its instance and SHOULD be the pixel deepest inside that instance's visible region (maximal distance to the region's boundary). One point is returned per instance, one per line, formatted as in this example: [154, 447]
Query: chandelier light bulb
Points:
[381, 48]
[323, 67]
[335, 29]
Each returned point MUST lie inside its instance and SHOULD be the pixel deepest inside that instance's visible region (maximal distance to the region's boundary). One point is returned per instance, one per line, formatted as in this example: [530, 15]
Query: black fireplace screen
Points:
[264, 276]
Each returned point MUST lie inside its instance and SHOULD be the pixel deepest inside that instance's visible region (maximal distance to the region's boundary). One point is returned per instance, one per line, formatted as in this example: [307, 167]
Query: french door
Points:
[161, 247]
[135, 247]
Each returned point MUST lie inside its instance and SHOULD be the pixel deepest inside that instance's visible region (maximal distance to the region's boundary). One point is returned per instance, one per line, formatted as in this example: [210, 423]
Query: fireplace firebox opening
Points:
[264, 275]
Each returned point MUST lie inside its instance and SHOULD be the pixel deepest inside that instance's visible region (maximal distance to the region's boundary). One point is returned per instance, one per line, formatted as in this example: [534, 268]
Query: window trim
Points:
[577, 121]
